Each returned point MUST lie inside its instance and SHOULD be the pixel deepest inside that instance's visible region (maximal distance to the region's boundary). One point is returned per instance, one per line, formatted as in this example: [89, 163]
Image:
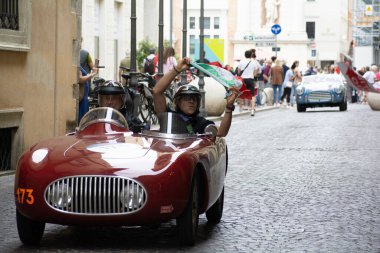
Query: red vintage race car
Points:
[103, 174]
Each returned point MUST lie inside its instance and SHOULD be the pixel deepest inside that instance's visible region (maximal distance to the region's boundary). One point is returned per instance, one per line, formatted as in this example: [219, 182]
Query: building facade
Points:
[366, 32]
[39, 51]
[315, 32]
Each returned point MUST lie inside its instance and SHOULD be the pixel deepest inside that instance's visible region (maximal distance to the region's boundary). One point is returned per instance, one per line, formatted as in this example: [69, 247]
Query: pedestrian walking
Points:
[297, 81]
[288, 84]
[248, 68]
[277, 74]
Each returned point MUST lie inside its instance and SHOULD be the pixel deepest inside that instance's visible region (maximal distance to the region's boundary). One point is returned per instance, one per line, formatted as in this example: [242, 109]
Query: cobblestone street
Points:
[296, 182]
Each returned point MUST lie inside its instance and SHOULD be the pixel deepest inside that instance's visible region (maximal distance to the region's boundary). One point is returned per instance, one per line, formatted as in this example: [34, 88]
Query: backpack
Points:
[149, 66]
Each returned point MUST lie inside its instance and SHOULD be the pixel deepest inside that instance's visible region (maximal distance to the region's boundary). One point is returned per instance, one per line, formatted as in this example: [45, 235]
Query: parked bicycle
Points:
[143, 96]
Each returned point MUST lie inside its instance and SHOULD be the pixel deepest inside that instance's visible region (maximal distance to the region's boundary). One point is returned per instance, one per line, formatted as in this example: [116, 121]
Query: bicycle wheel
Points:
[146, 110]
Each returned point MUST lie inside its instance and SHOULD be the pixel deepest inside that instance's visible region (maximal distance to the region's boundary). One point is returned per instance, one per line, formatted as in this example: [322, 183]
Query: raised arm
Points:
[164, 83]
[227, 118]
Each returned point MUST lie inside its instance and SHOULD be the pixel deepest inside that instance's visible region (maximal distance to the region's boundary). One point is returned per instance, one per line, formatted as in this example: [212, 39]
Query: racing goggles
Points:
[190, 97]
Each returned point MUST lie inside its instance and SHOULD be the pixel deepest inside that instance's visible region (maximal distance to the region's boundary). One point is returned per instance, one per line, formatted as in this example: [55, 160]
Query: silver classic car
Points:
[324, 90]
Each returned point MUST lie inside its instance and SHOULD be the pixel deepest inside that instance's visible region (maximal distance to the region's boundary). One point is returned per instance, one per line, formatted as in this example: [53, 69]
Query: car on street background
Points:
[103, 174]
[322, 90]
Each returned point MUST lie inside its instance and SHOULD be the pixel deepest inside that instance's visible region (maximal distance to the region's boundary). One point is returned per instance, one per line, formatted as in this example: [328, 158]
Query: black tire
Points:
[29, 231]
[301, 108]
[343, 106]
[146, 110]
[187, 222]
[214, 214]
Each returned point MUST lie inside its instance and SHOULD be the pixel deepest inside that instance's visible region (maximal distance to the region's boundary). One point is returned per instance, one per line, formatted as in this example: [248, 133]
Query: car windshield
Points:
[103, 114]
[332, 79]
[173, 123]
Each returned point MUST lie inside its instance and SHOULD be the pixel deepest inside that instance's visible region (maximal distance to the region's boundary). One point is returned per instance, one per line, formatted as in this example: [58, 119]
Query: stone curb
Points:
[236, 113]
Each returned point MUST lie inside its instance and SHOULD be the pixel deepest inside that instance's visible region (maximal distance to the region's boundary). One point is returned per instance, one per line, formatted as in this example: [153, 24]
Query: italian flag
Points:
[223, 76]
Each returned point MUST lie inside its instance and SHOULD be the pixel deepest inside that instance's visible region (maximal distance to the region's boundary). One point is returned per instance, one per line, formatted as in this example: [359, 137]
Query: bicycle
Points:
[143, 99]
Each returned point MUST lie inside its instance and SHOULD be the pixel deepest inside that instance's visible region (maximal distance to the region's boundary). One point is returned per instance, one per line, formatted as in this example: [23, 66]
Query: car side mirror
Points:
[211, 130]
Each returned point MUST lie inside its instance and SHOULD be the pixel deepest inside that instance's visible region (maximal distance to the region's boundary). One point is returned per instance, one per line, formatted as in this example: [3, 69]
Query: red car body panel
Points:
[164, 167]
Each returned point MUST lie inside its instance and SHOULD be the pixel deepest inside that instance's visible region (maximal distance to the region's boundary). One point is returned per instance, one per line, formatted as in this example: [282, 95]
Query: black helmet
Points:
[111, 87]
[187, 89]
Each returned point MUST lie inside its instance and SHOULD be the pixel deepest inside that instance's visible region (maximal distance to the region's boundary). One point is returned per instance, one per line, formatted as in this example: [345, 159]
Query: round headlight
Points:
[62, 195]
[300, 90]
[338, 89]
[132, 197]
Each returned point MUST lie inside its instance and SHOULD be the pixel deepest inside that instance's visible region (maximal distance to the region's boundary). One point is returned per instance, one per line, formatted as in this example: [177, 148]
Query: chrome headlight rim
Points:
[300, 90]
[339, 89]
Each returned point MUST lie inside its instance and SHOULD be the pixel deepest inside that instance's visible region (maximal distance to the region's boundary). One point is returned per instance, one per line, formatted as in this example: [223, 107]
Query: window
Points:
[313, 53]
[15, 25]
[5, 148]
[192, 44]
[206, 24]
[192, 22]
[96, 47]
[216, 36]
[310, 30]
[9, 15]
[216, 22]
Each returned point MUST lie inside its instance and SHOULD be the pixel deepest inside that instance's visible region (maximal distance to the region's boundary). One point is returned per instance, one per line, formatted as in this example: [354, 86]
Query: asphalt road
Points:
[297, 182]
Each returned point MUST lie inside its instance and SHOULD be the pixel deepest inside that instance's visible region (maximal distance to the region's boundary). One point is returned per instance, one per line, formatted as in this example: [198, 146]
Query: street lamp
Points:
[133, 67]
[201, 82]
[160, 39]
[184, 40]
[133, 44]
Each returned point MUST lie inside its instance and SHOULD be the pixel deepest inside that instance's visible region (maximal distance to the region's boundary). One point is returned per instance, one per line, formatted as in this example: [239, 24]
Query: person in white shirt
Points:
[249, 67]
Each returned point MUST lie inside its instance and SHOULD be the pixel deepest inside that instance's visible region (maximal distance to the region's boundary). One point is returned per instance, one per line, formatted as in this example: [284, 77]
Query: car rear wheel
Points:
[214, 214]
[301, 108]
[187, 223]
[29, 231]
[343, 106]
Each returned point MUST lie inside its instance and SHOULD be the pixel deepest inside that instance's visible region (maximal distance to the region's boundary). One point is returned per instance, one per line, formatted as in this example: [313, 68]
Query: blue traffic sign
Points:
[276, 29]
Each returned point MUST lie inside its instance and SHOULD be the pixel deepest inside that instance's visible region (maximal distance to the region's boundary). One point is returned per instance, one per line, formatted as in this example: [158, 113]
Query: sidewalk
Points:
[236, 113]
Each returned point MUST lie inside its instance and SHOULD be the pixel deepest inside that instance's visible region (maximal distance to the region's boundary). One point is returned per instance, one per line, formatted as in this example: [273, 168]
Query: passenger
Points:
[112, 94]
[187, 101]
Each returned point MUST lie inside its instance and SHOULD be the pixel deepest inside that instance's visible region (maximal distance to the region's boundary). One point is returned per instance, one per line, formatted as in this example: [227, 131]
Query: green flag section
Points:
[224, 77]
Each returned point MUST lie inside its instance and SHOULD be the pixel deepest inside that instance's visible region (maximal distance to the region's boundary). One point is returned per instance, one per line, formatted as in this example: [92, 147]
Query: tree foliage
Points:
[143, 50]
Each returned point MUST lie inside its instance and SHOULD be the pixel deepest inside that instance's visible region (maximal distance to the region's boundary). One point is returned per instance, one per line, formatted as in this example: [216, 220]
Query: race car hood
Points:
[122, 147]
[112, 151]
[321, 86]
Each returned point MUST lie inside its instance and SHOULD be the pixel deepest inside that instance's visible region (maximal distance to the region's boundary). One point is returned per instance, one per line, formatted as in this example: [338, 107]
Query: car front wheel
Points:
[187, 222]
[301, 108]
[29, 231]
[214, 214]
[343, 106]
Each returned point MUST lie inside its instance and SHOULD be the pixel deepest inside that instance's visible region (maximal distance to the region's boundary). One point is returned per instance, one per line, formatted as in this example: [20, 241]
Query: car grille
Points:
[95, 195]
[319, 96]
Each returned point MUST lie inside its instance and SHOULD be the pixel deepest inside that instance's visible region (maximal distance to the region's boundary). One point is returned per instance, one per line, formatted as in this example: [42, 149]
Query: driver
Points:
[112, 94]
[187, 101]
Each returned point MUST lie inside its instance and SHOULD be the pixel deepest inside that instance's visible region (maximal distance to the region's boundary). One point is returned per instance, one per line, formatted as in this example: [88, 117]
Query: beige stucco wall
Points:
[40, 81]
